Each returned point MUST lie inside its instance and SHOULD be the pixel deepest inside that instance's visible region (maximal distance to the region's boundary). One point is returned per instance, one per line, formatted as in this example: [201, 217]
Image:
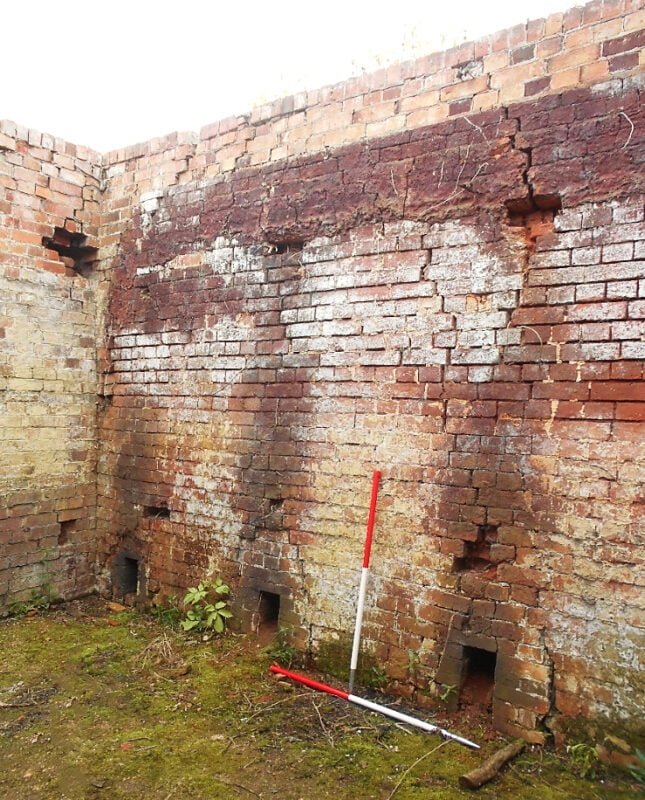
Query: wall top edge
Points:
[568, 33]
[47, 141]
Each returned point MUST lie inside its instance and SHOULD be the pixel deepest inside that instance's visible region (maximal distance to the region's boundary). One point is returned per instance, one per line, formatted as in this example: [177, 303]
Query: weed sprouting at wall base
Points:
[206, 610]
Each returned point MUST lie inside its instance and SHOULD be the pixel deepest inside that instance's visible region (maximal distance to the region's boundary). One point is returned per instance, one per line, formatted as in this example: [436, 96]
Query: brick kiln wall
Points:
[435, 270]
[48, 384]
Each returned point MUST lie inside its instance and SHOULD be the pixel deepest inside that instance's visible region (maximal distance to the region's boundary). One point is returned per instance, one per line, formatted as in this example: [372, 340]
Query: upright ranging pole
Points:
[376, 477]
[360, 701]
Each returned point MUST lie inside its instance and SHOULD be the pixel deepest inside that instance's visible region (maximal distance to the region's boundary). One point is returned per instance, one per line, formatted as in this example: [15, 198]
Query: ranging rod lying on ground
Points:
[359, 701]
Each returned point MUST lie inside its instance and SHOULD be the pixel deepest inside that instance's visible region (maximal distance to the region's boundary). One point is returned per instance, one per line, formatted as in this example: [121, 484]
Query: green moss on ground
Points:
[96, 705]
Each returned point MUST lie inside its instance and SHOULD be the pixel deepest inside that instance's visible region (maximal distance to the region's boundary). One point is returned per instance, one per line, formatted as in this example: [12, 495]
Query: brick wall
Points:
[48, 387]
[459, 305]
[599, 42]
[435, 270]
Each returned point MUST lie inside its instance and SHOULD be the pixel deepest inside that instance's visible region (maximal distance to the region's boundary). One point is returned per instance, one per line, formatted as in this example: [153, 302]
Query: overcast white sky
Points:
[108, 74]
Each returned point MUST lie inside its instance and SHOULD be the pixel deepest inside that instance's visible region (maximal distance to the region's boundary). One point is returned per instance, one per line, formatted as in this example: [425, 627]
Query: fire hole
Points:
[268, 611]
[478, 678]
[129, 583]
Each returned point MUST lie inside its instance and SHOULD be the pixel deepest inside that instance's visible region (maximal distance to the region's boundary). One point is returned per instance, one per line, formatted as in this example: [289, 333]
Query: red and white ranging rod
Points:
[379, 709]
[376, 477]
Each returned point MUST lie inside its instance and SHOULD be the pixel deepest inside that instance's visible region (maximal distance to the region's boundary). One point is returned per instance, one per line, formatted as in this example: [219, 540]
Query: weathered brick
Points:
[623, 44]
[249, 388]
[597, 311]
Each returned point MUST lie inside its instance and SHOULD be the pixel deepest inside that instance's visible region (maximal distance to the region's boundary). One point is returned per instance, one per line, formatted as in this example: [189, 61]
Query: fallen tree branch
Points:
[489, 769]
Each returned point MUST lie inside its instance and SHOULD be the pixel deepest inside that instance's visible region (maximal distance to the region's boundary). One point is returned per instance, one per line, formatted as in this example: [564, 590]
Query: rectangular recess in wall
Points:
[286, 246]
[268, 610]
[476, 556]
[129, 577]
[159, 512]
[67, 528]
[73, 251]
[478, 682]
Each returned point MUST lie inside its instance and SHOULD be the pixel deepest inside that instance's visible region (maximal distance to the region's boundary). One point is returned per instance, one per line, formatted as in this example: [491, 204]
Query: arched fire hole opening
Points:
[268, 611]
[478, 681]
[127, 577]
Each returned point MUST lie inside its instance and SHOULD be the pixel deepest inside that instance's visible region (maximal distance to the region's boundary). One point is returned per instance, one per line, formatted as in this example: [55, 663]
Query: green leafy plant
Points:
[637, 771]
[584, 759]
[446, 692]
[413, 664]
[207, 611]
[280, 650]
[376, 677]
[168, 612]
[40, 600]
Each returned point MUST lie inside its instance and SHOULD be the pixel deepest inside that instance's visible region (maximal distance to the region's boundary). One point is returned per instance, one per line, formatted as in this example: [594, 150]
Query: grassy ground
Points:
[101, 705]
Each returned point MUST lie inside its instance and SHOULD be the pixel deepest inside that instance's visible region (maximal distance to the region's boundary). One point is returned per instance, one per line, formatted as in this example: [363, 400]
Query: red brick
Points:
[625, 61]
[536, 86]
[630, 411]
[232, 419]
[524, 53]
[627, 370]
[623, 44]
[561, 391]
[617, 390]
[597, 311]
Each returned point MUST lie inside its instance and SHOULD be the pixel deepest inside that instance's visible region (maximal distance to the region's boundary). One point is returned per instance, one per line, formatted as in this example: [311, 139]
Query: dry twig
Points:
[527, 328]
[445, 644]
[160, 651]
[412, 766]
[238, 786]
[457, 188]
[18, 705]
[477, 128]
[631, 133]
[273, 705]
[322, 724]
[393, 184]
[28, 698]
